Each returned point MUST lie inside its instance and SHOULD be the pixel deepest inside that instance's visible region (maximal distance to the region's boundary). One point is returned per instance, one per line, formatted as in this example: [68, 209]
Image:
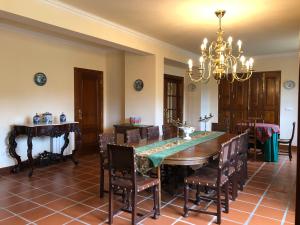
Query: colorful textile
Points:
[153, 155]
[264, 131]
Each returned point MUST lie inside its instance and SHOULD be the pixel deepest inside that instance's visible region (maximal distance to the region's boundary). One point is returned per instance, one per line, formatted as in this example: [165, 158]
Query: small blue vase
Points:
[36, 119]
[62, 118]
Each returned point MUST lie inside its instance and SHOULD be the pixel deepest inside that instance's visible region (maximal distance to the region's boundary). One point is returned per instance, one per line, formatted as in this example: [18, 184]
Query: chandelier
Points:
[219, 60]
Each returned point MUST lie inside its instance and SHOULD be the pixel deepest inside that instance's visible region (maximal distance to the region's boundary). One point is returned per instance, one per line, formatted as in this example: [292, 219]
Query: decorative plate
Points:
[40, 79]
[138, 85]
[289, 84]
[191, 87]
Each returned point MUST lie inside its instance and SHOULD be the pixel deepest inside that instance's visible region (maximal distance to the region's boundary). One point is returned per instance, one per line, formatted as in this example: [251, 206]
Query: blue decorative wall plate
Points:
[40, 79]
[138, 85]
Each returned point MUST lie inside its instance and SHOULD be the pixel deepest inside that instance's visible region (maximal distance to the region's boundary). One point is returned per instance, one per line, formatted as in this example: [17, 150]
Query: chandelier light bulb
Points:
[247, 64]
[229, 40]
[190, 63]
[205, 41]
[242, 59]
[201, 59]
[202, 47]
[251, 60]
[239, 43]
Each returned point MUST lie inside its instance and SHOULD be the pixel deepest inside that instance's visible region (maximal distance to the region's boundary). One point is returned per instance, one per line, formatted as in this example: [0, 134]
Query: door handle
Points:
[79, 114]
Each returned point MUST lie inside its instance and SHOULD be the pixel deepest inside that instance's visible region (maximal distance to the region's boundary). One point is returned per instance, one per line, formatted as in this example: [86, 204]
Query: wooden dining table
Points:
[199, 154]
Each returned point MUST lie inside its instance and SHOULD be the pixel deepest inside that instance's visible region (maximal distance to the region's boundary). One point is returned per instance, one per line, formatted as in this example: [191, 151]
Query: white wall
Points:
[192, 99]
[288, 64]
[23, 53]
[140, 103]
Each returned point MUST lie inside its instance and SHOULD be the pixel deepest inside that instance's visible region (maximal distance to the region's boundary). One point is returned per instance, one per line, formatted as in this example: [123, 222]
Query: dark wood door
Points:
[89, 107]
[257, 97]
[173, 98]
[271, 97]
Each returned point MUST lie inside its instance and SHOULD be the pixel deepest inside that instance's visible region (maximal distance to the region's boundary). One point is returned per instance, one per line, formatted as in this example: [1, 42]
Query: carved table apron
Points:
[51, 130]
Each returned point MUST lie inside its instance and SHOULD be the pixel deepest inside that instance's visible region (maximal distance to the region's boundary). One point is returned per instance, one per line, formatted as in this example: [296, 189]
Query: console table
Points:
[51, 130]
[122, 128]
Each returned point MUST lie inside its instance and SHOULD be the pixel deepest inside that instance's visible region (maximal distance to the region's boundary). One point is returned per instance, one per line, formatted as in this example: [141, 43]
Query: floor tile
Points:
[13, 221]
[258, 220]
[36, 213]
[269, 212]
[56, 219]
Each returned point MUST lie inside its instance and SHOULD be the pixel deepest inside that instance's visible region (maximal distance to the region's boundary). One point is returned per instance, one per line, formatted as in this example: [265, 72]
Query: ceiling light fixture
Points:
[218, 59]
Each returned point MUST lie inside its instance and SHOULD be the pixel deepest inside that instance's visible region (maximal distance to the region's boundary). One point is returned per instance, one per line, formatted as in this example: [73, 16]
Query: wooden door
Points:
[173, 98]
[255, 102]
[271, 97]
[257, 97]
[88, 88]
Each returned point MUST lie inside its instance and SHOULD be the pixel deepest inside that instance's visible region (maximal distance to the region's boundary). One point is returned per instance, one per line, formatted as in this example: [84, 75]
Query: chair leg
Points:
[219, 205]
[110, 216]
[290, 151]
[197, 202]
[186, 198]
[255, 150]
[226, 198]
[101, 182]
[155, 200]
[133, 207]
[234, 186]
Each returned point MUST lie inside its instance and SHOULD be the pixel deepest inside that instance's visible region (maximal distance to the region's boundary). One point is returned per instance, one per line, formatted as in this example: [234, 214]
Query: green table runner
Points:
[157, 152]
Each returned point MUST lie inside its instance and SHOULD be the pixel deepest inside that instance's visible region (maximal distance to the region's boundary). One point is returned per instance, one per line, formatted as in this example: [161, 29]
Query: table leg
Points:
[159, 189]
[67, 141]
[29, 154]
[12, 151]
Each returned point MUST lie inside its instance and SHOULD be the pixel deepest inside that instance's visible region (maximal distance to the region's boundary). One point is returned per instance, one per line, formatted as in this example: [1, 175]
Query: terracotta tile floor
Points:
[68, 194]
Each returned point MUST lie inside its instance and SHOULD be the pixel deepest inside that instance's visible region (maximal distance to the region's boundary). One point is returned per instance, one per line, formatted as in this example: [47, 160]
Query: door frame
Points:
[178, 78]
[297, 212]
[100, 103]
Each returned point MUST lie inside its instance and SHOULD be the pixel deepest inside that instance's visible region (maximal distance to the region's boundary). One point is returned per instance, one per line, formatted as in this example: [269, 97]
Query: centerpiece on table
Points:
[187, 131]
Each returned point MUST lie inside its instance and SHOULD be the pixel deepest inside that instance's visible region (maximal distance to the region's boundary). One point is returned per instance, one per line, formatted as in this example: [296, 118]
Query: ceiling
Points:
[264, 26]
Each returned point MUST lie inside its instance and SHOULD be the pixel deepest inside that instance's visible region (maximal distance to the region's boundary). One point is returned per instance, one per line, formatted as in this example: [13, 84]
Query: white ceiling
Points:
[264, 26]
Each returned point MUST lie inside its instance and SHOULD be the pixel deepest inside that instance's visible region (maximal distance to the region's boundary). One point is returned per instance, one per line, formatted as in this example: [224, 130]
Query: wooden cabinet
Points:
[257, 97]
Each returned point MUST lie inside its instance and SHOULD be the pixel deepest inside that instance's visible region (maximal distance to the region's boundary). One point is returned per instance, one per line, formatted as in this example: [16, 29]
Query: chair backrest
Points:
[121, 161]
[234, 148]
[169, 131]
[153, 133]
[104, 140]
[224, 160]
[133, 136]
[293, 132]
[243, 143]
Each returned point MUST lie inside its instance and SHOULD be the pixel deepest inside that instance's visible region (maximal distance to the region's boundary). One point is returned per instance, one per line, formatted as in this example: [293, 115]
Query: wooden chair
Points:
[252, 138]
[288, 142]
[123, 176]
[233, 168]
[169, 131]
[133, 136]
[209, 178]
[153, 133]
[242, 165]
[104, 139]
